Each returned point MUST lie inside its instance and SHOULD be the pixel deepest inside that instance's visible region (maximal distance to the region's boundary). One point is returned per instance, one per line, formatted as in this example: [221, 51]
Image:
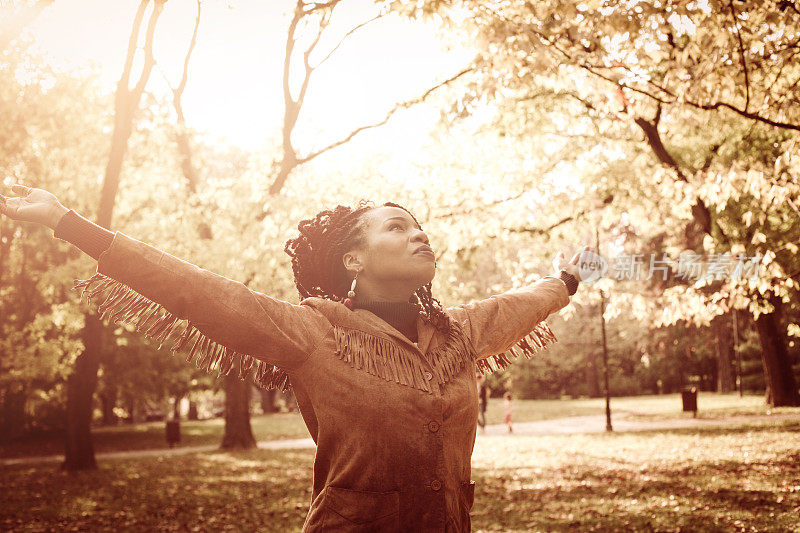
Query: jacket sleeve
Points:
[503, 324]
[227, 322]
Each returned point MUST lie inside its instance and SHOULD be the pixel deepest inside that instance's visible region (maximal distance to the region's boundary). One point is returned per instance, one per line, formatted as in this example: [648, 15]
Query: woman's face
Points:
[396, 251]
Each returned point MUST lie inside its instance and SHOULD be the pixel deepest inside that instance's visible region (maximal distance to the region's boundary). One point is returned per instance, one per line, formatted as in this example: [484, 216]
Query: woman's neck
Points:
[367, 291]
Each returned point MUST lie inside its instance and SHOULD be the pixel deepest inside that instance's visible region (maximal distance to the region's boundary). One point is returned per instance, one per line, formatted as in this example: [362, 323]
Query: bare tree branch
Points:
[123, 86]
[317, 6]
[470, 210]
[455, 211]
[126, 101]
[182, 137]
[292, 107]
[741, 55]
[184, 77]
[674, 99]
[346, 35]
[579, 215]
[309, 70]
[290, 111]
[650, 129]
[184, 146]
[149, 60]
[392, 111]
[792, 204]
[544, 231]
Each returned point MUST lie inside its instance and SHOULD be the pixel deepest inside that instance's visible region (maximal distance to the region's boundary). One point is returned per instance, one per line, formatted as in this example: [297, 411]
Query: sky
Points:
[234, 90]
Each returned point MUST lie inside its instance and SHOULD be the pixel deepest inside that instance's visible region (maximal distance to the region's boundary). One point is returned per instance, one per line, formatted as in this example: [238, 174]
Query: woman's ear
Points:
[352, 261]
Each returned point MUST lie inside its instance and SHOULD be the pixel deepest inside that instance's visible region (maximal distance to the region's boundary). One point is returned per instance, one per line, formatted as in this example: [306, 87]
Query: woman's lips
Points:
[425, 252]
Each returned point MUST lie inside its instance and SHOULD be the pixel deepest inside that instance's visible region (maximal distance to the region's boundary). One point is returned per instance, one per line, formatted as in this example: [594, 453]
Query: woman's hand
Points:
[571, 266]
[33, 205]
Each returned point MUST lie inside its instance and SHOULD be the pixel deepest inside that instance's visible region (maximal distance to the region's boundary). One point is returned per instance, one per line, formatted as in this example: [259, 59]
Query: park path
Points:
[621, 422]
[625, 422]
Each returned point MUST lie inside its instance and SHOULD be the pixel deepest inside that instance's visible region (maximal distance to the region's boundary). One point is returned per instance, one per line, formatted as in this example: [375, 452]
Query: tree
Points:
[630, 65]
[238, 434]
[39, 324]
[319, 14]
[79, 451]
[18, 15]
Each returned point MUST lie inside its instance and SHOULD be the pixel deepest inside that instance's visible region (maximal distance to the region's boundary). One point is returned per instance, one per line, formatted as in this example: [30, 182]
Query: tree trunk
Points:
[12, 411]
[592, 375]
[109, 402]
[781, 384]
[79, 450]
[238, 434]
[268, 400]
[176, 408]
[723, 346]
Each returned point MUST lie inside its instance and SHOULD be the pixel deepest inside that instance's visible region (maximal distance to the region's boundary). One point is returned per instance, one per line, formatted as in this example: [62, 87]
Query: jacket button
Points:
[433, 426]
[428, 375]
[436, 485]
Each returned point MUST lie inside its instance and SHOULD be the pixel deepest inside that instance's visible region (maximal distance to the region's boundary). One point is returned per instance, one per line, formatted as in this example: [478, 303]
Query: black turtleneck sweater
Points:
[402, 316]
[94, 240]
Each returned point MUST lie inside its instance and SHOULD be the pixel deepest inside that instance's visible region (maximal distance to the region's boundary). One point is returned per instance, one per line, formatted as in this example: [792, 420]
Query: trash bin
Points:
[173, 432]
[689, 397]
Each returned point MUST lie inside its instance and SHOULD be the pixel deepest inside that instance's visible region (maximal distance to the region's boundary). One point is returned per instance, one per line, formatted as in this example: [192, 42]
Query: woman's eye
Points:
[393, 226]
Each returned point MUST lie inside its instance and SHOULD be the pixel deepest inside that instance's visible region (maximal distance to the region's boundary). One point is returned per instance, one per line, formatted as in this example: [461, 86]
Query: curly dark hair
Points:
[316, 258]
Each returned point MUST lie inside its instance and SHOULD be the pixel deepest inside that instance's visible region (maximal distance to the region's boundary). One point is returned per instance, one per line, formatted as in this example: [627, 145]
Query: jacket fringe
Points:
[120, 302]
[450, 357]
[387, 360]
[379, 357]
[538, 339]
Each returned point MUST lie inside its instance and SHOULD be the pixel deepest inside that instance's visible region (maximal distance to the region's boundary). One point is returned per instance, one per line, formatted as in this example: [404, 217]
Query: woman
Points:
[384, 375]
[508, 410]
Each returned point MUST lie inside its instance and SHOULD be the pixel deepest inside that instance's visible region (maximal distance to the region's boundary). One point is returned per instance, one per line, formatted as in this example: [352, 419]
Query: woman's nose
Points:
[421, 236]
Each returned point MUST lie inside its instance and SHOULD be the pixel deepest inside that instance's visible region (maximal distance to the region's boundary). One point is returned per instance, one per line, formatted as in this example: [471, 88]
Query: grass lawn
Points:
[151, 435]
[290, 425]
[745, 478]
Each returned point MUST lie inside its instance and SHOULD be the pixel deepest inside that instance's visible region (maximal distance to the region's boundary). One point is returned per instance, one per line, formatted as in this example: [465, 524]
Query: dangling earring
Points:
[348, 302]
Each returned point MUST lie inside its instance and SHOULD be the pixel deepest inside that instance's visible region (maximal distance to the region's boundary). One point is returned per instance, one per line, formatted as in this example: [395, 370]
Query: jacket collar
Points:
[368, 343]
[368, 322]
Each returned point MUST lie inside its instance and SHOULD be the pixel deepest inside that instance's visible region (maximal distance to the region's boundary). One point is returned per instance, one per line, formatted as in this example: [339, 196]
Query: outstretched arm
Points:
[137, 283]
[503, 324]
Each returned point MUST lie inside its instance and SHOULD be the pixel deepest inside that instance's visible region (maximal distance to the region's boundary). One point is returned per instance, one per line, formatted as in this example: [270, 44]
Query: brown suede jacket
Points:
[394, 421]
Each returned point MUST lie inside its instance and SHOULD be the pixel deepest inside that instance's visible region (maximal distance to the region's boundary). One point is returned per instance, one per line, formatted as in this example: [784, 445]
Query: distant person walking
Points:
[508, 408]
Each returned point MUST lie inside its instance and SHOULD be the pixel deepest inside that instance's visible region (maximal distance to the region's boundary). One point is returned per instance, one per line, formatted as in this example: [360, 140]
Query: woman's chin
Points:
[429, 278]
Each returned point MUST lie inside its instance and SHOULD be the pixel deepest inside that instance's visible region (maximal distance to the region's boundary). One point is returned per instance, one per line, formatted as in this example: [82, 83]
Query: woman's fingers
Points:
[558, 260]
[9, 206]
[20, 188]
[577, 256]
